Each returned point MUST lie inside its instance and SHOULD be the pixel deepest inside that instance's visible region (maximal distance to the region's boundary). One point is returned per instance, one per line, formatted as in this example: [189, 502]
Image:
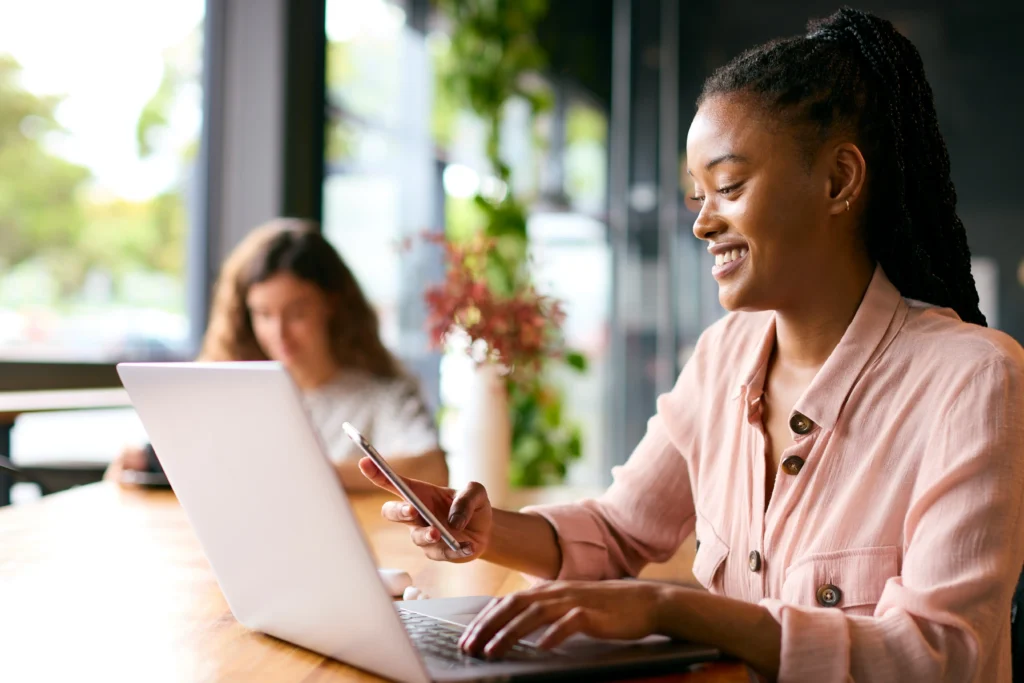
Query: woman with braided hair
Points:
[847, 444]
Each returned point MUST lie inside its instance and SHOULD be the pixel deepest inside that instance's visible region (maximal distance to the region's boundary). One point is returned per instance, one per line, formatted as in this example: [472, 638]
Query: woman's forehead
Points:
[732, 127]
[282, 286]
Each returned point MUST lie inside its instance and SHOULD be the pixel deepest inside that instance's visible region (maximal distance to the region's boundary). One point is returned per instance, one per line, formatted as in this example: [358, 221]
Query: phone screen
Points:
[410, 497]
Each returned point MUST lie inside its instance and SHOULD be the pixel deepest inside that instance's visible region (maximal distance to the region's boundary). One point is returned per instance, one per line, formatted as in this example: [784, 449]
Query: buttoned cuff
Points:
[815, 643]
[584, 553]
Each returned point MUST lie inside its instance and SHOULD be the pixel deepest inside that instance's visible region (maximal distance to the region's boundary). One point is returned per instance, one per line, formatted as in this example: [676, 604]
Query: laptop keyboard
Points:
[441, 640]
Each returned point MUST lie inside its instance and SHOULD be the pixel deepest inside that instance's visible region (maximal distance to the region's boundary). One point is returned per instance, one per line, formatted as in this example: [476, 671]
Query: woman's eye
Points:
[298, 313]
[727, 190]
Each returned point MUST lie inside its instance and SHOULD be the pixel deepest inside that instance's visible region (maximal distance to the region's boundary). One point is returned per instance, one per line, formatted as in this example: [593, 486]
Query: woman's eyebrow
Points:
[728, 156]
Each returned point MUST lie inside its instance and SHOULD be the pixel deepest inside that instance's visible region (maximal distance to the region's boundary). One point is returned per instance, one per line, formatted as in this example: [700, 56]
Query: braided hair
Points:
[854, 73]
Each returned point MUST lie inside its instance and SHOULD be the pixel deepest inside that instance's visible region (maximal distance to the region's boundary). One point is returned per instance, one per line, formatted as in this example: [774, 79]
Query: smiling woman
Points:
[846, 443]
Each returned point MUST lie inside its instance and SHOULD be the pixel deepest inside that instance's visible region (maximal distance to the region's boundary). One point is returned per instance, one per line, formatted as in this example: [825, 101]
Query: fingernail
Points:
[433, 535]
[466, 551]
[457, 522]
[407, 510]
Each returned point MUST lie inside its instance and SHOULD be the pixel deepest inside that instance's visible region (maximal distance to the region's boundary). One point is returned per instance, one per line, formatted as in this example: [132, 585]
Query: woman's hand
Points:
[467, 513]
[626, 610]
[130, 458]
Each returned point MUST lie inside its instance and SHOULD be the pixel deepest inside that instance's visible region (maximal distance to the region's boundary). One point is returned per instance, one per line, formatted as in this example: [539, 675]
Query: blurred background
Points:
[140, 141]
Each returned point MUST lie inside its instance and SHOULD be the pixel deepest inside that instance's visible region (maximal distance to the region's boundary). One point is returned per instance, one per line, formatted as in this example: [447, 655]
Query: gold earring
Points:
[847, 204]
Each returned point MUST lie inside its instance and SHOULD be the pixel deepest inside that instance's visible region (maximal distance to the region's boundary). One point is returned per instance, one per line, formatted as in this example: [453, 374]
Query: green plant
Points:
[493, 58]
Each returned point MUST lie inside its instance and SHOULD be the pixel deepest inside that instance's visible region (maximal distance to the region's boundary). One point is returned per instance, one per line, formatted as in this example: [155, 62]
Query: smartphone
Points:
[400, 484]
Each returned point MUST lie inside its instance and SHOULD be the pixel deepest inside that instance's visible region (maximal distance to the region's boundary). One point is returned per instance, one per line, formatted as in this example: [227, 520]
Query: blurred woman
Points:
[284, 294]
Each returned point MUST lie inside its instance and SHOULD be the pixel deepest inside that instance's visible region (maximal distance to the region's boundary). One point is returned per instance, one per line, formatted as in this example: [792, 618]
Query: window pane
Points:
[586, 158]
[362, 223]
[100, 118]
[364, 59]
[381, 173]
[564, 245]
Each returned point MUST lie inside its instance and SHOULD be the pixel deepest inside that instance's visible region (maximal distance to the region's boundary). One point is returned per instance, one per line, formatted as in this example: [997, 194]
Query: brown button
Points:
[829, 595]
[800, 424]
[754, 561]
[793, 464]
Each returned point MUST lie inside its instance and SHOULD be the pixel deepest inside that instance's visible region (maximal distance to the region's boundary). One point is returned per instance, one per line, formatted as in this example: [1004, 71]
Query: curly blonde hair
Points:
[294, 246]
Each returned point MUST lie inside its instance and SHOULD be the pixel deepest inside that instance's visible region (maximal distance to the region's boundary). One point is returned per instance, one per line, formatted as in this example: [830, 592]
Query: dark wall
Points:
[577, 37]
[974, 58]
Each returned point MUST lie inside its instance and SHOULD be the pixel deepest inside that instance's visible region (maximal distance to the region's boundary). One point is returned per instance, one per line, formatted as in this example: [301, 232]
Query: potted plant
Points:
[508, 332]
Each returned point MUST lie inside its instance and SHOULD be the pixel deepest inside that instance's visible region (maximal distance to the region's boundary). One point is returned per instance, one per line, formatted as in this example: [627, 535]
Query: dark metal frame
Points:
[305, 108]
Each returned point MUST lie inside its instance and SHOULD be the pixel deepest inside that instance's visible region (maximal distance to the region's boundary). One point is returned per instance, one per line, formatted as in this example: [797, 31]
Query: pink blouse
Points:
[893, 539]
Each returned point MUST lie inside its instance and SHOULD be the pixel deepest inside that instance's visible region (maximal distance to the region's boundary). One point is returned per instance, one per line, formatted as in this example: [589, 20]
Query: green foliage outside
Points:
[52, 221]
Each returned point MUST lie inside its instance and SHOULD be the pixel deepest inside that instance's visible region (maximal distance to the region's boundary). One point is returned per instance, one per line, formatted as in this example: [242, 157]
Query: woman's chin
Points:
[288, 360]
[734, 296]
[731, 297]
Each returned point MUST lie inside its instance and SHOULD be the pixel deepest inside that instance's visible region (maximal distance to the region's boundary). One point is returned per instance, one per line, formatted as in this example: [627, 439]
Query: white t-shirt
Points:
[390, 413]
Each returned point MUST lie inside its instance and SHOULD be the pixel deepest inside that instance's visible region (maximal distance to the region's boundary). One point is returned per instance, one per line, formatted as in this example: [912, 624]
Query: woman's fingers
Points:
[373, 473]
[537, 615]
[480, 616]
[133, 459]
[424, 536]
[439, 552]
[487, 624]
[402, 513]
[466, 502]
[114, 471]
[429, 539]
[574, 621]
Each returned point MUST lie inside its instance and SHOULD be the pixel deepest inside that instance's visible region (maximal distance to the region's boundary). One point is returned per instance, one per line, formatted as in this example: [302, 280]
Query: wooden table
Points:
[106, 583]
[16, 403]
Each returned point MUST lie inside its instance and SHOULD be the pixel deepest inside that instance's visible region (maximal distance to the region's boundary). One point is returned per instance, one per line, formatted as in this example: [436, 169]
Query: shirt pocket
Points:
[851, 580]
[710, 556]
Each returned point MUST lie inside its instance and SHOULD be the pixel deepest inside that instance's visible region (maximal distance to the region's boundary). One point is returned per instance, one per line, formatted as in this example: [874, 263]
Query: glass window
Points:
[99, 135]
[586, 158]
[564, 245]
[381, 176]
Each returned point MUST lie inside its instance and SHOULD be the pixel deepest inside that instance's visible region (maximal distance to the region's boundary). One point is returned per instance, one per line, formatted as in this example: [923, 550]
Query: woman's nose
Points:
[707, 224]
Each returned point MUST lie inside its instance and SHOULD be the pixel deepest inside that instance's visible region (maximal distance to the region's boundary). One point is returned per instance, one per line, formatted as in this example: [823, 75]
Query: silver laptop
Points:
[252, 476]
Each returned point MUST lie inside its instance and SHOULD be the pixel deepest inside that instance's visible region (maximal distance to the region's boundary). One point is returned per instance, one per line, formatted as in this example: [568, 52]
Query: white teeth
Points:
[730, 256]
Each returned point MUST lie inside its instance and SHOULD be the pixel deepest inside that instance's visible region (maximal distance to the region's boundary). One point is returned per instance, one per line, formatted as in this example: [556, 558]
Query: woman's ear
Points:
[847, 176]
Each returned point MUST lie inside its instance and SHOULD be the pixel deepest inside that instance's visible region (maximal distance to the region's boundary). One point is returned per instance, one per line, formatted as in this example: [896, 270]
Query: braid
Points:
[855, 72]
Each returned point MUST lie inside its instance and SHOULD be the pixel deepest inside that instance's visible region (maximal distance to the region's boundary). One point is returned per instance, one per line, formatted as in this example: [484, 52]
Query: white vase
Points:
[487, 432]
